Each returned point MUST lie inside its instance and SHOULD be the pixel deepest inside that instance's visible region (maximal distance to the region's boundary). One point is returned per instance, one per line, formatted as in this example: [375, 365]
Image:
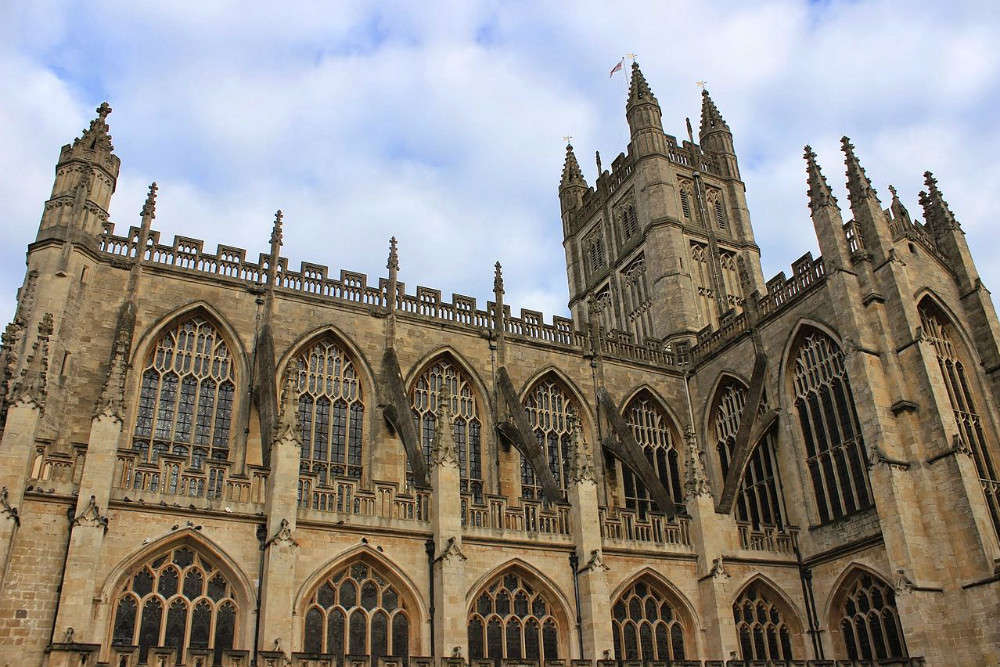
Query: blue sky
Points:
[442, 123]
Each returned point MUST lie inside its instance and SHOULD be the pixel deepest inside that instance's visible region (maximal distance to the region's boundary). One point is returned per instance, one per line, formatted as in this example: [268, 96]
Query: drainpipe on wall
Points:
[429, 548]
[574, 563]
[805, 576]
[70, 511]
[262, 539]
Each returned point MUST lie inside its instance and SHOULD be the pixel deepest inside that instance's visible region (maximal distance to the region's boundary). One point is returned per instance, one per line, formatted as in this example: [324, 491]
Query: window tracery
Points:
[730, 278]
[761, 626]
[635, 292]
[759, 500]
[180, 600]
[654, 433]
[645, 626]
[467, 425]
[186, 395]
[357, 611]
[331, 411]
[594, 251]
[834, 446]
[701, 273]
[511, 619]
[629, 222]
[869, 620]
[937, 329]
[550, 411]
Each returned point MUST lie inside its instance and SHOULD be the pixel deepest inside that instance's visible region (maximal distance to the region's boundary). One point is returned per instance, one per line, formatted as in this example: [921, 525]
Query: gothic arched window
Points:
[654, 433]
[759, 500]
[357, 611]
[331, 411]
[468, 424]
[629, 222]
[186, 397]
[701, 272]
[730, 278]
[963, 404]
[645, 625]
[761, 625]
[869, 622]
[834, 446]
[178, 599]
[512, 619]
[550, 412]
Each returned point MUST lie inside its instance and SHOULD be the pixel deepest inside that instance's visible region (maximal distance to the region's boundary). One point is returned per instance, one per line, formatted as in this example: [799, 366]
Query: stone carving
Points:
[582, 465]
[31, 386]
[718, 571]
[289, 428]
[443, 450]
[451, 550]
[283, 537]
[903, 583]
[110, 402]
[91, 516]
[6, 509]
[696, 479]
[596, 563]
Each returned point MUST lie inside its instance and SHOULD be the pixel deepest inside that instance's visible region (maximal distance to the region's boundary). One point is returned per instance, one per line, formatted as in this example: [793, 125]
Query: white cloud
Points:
[442, 123]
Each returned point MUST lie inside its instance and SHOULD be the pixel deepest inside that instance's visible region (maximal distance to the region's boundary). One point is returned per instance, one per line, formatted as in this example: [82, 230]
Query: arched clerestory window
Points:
[331, 411]
[645, 625]
[550, 410]
[759, 500]
[468, 425]
[835, 449]
[512, 619]
[763, 630]
[177, 599]
[186, 395]
[868, 619]
[951, 356]
[357, 611]
[655, 434]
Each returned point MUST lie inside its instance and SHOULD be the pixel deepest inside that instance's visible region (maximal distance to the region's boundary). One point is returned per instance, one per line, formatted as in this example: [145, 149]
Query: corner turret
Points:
[644, 116]
[948, 234]
[826, 217]
[715, 137]
[572, 185]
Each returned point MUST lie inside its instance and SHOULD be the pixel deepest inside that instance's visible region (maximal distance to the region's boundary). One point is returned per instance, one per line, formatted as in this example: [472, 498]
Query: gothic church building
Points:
[219, 459]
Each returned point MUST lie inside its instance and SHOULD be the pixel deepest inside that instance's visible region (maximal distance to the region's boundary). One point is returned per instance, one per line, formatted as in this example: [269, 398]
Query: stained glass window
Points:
[761, 627]
[512, 619]
[869, 620]
[654, 434]
[550, 411]
[645, 625]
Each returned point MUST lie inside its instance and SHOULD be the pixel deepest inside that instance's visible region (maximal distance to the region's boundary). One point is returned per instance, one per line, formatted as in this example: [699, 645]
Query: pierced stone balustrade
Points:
[345, 497]
[528, 516]
[171, 478]
[768, 538]
[624, 525]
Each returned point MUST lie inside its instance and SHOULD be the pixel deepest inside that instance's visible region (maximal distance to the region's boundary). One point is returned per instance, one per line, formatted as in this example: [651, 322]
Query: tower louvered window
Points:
[467, 425]
[963, 404]
[594, 249]
[513, 620]
[630, 223]
[179, 600]
[759, 500]
[331, 412]
[760, 625]
[720, 216]
[869, 621]
[653, 432]
[550, 410]
[635, 296]
[186, 397]
[830, 427]
[730, 278]
[357, 611]
[685, 203]
[645, 625]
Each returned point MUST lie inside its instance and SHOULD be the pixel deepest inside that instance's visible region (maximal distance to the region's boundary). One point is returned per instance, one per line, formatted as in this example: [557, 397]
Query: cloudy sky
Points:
[442, 123]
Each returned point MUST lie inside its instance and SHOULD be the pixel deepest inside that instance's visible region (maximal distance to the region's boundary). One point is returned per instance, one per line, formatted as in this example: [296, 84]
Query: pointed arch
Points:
[862, 616]
[658, 398]
[574, 390]
[188, 379]
[516, 612]
[768, 623]
[181, 590]
[798, 330]
[926, 294]
[723, 379]
[470, 406]
[668, 642]
[659, 438]
[449, 351]
[305, 340]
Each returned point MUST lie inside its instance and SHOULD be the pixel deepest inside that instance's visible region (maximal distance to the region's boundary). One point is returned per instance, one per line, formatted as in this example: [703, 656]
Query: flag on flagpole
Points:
[616, 68]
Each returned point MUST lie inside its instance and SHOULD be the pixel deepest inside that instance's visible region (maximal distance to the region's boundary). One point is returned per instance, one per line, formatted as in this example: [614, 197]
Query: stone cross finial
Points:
[393, 263]
[104, 110]
[149, 207]
[497, 278]
[276, 230]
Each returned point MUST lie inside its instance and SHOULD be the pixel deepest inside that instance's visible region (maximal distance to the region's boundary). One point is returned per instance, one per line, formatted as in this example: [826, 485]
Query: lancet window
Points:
[645, 625]
[357, 611]
[834, 446]
[759, 501]
[512, 619]
[331, 411]
[654, 433]
[594, 249]
[869, 621]
[186, 395]
[629, 222]
[701, 273]
[761, 625]
[550, 413]
[963, 403]
[180, 600]
[635, 294]
[467, 425]
[730, 278]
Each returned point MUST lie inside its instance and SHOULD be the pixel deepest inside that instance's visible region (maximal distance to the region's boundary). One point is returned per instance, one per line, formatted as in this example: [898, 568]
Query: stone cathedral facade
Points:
[215, 459]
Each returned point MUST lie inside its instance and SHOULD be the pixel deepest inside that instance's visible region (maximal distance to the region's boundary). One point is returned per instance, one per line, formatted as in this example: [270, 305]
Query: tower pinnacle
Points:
[711, 119]
[937, 213]
[819, 191]
[572, 175]
[149, 207]
[859, 187]
[97, 135]
[638, 90]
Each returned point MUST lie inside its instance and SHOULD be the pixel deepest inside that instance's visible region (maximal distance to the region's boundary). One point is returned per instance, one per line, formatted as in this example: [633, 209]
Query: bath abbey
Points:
[223, 459]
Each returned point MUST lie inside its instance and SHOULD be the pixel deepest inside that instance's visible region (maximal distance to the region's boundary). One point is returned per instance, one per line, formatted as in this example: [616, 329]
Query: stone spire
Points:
[497, 278]
[288, 418]
[110, 402]
[149, 207]
[859, 187]
[97, 136]
[31, 386]
[638, 90]
[711, 119]
[936, 210]
[277, 237]
[897, 209]
[572, 175]
[695, 478]
[443, 450]
[582, 465]
[819, 191]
